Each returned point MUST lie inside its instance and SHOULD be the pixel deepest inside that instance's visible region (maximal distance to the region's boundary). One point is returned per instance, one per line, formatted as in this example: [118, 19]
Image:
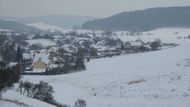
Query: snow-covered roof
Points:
[53, 66]
[27, 55]
[43, 42]
[53, 49]
[69, 48]
[11, 64]
[136, 43]
[43, 56]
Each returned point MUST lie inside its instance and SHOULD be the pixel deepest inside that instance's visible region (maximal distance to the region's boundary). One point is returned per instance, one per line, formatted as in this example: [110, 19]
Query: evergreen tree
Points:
[8, 52]
[79, 64]
[19, 54]
[8, 76]
[67, 66]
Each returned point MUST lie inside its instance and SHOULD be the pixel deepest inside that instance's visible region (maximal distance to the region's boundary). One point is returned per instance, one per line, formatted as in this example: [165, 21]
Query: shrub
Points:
[27, 87]
[41, 91]
[80, 103]
[37, 46]
[188, 36]
[156, 44]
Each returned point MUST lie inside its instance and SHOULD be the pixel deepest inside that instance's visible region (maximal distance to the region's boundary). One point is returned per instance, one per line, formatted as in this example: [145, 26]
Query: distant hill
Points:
[143, 20]
[63, 21]
[10, 24]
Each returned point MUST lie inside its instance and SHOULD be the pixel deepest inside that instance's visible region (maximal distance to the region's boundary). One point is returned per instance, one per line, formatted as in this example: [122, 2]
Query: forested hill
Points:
[143, 20]
[16, 26]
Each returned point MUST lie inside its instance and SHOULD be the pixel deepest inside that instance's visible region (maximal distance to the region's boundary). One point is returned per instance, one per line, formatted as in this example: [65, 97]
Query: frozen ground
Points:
[153, 79]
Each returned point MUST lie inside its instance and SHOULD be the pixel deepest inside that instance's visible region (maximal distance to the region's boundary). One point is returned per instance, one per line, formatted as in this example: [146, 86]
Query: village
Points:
[94, 53]
[49, 53]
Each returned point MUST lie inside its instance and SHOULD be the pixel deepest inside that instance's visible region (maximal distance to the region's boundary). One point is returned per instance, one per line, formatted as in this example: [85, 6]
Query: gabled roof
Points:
[41, 55]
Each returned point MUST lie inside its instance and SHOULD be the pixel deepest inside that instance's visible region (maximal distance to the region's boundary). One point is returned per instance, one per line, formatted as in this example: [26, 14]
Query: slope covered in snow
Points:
[152, 79]
[167, 35]
[13, 99]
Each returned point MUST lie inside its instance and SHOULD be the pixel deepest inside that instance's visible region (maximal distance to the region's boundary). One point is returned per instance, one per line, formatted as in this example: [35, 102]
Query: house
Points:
[127, 45]
[136, 44]
[39, 66]
[41, 61]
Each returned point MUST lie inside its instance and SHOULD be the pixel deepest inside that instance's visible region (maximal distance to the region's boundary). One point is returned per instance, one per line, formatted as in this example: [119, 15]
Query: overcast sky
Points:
[95, 8]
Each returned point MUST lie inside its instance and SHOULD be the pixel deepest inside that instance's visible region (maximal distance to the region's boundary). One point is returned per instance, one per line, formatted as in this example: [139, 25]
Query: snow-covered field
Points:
[45, 26]
[5, 30]
[152, 79]
[14, 99]
[44, 42]
[167, 35]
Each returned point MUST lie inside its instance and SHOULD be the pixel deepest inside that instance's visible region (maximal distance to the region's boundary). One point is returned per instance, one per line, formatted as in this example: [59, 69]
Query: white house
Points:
[41, 61]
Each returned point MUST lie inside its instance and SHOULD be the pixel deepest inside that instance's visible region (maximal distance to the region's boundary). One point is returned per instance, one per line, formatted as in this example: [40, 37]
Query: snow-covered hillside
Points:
[168, 35]
[152, 79]
[5, 30]
[149, 79]
[45, 26]
[13, 99]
